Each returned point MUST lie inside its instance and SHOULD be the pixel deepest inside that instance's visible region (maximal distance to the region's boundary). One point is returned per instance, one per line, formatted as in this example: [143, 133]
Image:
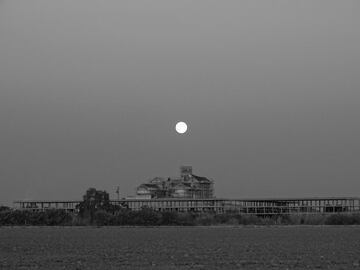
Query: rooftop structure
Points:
[188, 185]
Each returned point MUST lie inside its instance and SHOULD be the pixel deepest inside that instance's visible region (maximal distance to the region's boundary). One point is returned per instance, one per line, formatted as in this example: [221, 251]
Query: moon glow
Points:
[181, 127]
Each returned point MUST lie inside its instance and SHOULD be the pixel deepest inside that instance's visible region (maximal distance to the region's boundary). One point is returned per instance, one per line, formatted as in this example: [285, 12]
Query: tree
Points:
[4, 208]
[93, 201]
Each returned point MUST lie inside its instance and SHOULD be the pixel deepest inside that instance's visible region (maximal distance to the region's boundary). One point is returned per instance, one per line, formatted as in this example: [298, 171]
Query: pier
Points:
[241, 206]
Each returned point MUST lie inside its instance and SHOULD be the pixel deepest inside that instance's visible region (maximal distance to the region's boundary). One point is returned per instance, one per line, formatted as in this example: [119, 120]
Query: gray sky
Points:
[90, 92]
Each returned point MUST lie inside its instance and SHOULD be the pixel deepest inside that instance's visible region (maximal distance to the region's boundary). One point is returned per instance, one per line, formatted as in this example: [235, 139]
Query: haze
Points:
[90, 92]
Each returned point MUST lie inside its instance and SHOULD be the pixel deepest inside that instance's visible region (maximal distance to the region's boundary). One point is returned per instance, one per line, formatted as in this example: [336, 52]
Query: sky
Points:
[90, 92]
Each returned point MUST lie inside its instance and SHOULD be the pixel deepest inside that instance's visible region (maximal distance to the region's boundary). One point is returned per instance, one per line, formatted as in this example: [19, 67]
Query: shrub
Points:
[49, 217]
[59, 217]
[343, 219]
[312, 219]
[223, 218]
[169, 218]
[147, 216]
[4, 208]
[205, 219]
[186, 219]
[122, 217]
[103, 218]
[249, 220]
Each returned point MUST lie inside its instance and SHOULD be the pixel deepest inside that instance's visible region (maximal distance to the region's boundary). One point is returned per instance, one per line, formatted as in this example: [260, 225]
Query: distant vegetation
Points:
[148, 217]
[4, 208]
[48, 218]
[96, 209]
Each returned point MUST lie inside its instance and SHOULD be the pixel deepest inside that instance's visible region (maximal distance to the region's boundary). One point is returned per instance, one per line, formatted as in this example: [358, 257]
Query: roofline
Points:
[47, 201]
[199, 199]
[243, 199]
[299, 198]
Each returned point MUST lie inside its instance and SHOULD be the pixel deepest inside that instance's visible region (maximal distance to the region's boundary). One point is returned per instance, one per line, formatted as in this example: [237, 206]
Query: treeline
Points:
[10, 217]
[149, 217]
[96, 209]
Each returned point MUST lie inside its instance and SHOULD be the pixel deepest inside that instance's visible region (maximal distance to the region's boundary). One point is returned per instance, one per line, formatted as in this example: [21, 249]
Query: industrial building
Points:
[192, 193]
[258, 207]
[188, 185]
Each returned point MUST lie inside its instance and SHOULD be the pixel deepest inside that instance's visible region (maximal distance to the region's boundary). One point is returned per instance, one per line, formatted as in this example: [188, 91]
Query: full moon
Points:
[181, 127]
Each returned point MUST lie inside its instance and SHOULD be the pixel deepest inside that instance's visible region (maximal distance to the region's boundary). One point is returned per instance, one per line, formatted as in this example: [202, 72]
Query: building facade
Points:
[258, 207]
[193, 193]
[188, 185]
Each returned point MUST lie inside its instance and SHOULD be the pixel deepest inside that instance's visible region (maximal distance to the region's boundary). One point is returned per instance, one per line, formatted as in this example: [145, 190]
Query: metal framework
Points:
[241, 206]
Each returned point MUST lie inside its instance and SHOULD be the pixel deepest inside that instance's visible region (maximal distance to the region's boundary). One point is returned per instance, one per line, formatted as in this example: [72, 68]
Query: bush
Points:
[312, 219]
[103, 218]
[150, 217]
[79, 221]
[224, 218]
[186, 219]
[146, 217]
[57, 217]
[342, 219]
[249, 220]
[48, 218]
[169, 218]
[4, 208]
[205, 219]
[122, 217]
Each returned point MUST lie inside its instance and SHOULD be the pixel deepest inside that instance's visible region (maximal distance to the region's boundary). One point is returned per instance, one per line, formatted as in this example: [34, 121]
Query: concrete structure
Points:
[188, 185]
[192, 193]
[34, 205]
[259, 207]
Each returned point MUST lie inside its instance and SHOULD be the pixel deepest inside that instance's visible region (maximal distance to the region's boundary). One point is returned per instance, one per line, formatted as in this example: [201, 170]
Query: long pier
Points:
[242, 206]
